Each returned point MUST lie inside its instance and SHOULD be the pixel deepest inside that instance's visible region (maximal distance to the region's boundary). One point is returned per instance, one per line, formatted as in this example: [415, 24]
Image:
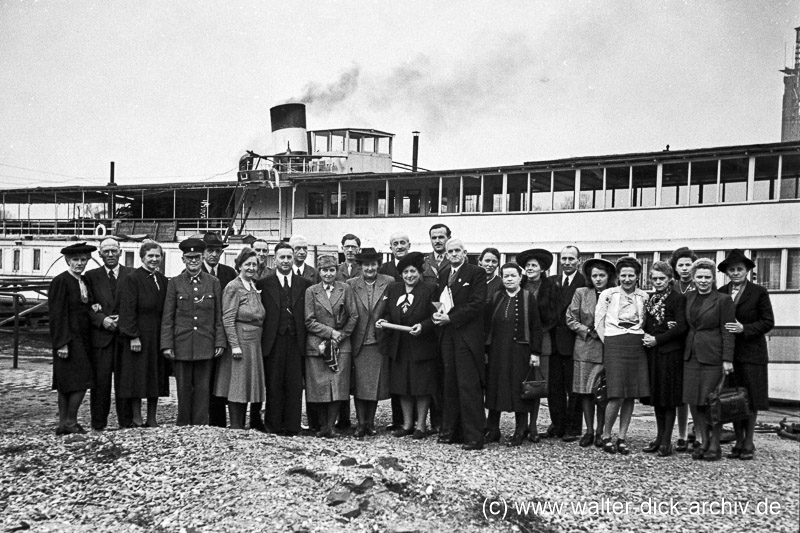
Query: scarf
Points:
[655, 305]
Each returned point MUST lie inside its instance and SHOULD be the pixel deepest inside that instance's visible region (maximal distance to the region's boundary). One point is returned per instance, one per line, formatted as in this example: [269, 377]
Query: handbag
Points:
[531, 390]
[727, 404]
[600, 388]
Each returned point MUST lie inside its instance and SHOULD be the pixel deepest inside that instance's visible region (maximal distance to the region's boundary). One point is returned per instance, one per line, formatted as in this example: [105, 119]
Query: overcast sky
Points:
[177, 90]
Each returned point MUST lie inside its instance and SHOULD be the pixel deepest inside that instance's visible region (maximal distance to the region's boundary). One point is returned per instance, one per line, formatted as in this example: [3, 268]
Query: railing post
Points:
[16, 331]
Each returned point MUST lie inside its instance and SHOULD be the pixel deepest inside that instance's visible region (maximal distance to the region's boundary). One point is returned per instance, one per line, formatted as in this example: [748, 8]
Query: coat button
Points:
[195, 288]
[195, 318]
[195, 327]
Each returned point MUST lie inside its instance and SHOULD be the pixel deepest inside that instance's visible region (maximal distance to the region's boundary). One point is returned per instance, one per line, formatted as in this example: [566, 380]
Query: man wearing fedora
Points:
[192, 335]
[217, 415]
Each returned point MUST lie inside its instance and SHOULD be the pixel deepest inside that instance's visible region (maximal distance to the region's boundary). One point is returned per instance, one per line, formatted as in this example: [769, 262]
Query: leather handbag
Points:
[728, 404]
[532, 390]
[600, 388]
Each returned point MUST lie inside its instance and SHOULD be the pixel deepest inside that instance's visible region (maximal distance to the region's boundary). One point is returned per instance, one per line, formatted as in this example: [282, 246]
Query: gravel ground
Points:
[211, 479]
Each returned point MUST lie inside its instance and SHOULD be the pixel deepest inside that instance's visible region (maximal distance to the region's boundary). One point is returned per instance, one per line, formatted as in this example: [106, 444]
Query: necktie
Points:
[452, 277]
[286, 284]
[297, 271]
[349, 269]
[113, 280]
[214, 272]
[155, 279]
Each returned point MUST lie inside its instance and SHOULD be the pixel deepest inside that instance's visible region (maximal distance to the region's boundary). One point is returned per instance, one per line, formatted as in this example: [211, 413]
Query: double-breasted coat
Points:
[191, 324]
[370, 362]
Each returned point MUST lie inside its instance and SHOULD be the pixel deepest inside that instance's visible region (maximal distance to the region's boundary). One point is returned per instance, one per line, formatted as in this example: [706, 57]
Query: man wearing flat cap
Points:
[211, 264]
[192, 335]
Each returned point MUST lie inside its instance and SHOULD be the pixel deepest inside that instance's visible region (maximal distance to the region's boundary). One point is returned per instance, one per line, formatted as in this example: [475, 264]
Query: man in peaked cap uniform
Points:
[211, 264]
[192, 335]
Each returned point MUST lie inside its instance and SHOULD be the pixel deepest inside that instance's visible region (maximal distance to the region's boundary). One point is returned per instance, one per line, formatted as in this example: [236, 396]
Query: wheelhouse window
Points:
[733, 180]
[37, 259]
[541, 200]
[644, 185]
[361, 206]
[517, 192]
[703, 189]
[472, 194]
[675, 184]
[793, 267]
[766, 178]
[451, 189]
[433, 199]
[646, 259]
[129, 258]
[768, 268]
[618, 187]
[315, 205]
[563, 190]
[411, 202]
[493, 194]
[17, 260]
[384, 207]
[591, 189]
[790, 177]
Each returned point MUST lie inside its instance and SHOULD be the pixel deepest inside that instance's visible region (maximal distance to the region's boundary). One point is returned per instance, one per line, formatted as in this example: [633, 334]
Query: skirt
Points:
[699, 380]
[626, 366]
[755, 379]
[371, 373]
[584, 375]
[666, 378]
[412, 378]
[323, 385]
[242, 380]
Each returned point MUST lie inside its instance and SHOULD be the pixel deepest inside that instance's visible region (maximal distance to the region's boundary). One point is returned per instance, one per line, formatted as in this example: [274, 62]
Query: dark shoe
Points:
[472, 446]
[586, 440]
[325, 433]
[492, 435]
[550, 433]
[151, 424]
[360, 432]
[394, 427]
[534, 437]
[445, 438]
[735, 453]
[433, 430]
[517, 439]
[622, 447]
[682, 446]
[692, 438]
[698, 452]
[712, 455]
[570, 438]
[402, 432]
[419, 434]
[609, 446]
[598, 440]
[747, 455]
[370, 430]
[61, 430]
[344, 425]
[665, 450]
[652, 447]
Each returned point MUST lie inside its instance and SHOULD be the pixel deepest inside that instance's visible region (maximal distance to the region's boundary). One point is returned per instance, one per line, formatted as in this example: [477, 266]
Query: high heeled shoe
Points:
[652, 447]
[665, 450]
[712, 455]
[735, 453]
[586, 440]
[403, 432]
[492, 435]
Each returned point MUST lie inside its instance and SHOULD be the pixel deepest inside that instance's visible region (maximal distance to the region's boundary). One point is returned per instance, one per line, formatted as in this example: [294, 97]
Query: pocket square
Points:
[467, 283]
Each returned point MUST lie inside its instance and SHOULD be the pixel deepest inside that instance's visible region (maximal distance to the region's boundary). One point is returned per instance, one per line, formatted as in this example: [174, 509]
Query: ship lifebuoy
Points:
[100, 230]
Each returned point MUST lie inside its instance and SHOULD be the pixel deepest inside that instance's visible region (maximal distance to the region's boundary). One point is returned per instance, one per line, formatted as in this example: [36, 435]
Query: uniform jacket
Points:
[580, 319]
[708, 339]
[431, 271]
[341, 272]
[270, 288]
[225, 274]
[100, 289]
[324, 315]
[310, 274]
[422, 347]
[564, 336]
[669, 339]
[469, 301]
[367, 315]
[754, 312]
[192, 321]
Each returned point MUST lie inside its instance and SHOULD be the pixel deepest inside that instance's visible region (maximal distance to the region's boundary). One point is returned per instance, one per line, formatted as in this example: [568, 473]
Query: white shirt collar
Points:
[287, 277]
[115, 270]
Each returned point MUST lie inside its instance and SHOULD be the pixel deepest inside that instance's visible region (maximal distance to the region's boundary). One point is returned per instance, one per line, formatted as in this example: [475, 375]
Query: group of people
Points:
[444, 339]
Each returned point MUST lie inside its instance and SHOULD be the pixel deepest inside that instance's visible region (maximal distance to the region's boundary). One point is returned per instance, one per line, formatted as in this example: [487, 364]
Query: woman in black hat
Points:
[535, 263]
[69, 308]
[413, 353]
[514, 343]
[588, 352]
[143, 371]
[665, 330]
[754, 318]
[619, 322]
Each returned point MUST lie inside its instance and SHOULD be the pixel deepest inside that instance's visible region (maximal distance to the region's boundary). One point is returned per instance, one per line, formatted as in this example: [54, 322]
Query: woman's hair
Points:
[663, 267]
[679, 254]
[511, 265]
[243, 256]
[629, 262]
[703, 263]
[489, 250]
[612, 275]
[147, 246]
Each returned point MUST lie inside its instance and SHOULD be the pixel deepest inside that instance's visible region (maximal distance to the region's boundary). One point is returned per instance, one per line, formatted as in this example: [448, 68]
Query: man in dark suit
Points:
[461, 345]
[436, 261]
[299, 246]
[400, 245]
[102, 283]
[565, 407]
[754, 319]
[351, 246]
[283, 342]
[225, 274]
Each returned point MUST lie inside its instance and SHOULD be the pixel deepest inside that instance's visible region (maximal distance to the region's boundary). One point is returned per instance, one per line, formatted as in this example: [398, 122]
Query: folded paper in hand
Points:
[445, 303]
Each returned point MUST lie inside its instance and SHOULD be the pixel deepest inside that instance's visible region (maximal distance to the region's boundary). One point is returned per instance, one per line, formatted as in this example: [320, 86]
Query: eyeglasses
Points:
[109, 252]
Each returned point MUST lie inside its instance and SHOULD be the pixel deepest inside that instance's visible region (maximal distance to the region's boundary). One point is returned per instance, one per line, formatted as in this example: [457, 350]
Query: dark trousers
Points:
[217, 407]
[284, 381]
[565, 406]
[462, 390]
[100, 398]
[194, 393]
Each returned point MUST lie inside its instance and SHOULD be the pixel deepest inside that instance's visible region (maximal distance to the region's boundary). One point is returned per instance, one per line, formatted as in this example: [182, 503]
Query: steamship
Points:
[327, 183]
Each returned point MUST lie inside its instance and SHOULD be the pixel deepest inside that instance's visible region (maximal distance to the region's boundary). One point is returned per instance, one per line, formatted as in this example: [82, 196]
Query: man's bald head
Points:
[456, 252]
[110, 252]
[400, 244]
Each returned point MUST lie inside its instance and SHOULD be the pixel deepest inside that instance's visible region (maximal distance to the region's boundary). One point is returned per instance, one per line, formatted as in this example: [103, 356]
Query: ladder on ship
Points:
[248, 196]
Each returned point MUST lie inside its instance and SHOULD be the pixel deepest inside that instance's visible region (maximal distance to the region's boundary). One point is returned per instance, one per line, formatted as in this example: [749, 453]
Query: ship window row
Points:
[717, 181]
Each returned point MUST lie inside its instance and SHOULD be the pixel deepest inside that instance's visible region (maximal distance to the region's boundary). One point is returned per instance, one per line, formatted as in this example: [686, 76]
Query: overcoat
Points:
[754, 312]
[708, 339]
[422, 347]
[366, 315]
[100, 289]
[324, 315]
[580, 319]
[69, 325]
[564, 336]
